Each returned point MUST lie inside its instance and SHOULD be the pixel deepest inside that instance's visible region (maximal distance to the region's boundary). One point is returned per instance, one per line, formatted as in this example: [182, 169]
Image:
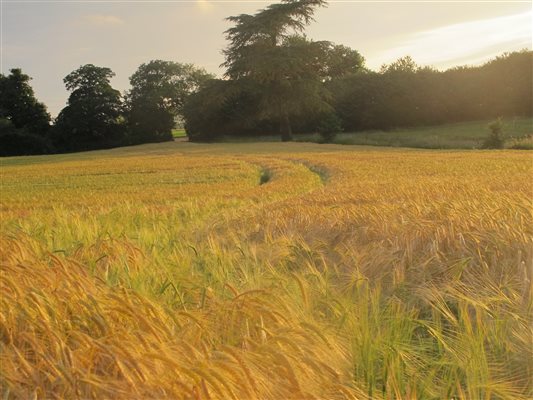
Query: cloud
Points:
[467, 42]
[98, 19]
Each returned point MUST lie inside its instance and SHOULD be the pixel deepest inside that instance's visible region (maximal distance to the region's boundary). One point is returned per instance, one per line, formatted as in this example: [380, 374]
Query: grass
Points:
[267, 271]
[178, 133]
[468, 135]
[525, 143]
[465, 135]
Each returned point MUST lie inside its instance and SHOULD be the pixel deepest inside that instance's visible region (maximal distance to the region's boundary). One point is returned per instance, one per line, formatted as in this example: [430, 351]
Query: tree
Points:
[93, 117]
[159, 90]
[495, 140]
[224, 107]
[404, 64]
[329, 126]
[342, 61]
[19, 142]
[404, 94]
[19, 105]
[264, 49]
[24, 122]
[249, 105]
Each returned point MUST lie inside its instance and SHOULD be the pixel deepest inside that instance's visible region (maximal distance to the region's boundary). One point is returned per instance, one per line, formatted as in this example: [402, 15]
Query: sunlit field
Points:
[267, 271]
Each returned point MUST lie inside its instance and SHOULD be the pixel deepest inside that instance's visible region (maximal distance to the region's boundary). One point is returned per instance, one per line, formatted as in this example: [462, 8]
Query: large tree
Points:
[225, 107]
[93, 116]
[19, 106]
[264, 49]
[341, 61]
[159, 90]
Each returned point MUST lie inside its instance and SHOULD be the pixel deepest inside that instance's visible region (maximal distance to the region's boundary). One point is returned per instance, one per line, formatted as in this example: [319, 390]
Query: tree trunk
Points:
[285, 127]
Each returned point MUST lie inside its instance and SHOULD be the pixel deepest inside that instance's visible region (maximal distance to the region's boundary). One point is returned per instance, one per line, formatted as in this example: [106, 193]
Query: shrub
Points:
[525, 143]
[329, 126]
[495, 140]
[20, 143]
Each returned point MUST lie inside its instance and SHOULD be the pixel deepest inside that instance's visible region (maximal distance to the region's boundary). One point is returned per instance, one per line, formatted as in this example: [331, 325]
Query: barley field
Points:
[266, 271]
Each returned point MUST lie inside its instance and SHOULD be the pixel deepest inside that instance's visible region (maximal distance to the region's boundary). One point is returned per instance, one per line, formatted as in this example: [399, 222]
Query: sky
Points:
[48, 39]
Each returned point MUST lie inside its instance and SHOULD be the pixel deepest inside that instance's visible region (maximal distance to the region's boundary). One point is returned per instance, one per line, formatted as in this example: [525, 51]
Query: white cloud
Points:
[98, 19]
[467, 42]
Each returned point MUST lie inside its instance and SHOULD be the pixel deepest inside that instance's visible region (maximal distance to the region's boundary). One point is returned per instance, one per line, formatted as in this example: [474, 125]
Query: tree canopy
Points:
[404, 94]
[19, 105]
[24, 121]
[263, 48]
[93, 115]
[156, 99]
[341, 61]
[273, 24]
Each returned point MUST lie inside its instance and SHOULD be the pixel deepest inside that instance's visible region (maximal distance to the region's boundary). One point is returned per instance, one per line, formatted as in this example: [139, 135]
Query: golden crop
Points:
[266, 271]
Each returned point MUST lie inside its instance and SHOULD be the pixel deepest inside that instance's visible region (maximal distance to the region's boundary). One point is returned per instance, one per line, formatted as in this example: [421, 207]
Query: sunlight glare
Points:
[204, 5]
[467, 42]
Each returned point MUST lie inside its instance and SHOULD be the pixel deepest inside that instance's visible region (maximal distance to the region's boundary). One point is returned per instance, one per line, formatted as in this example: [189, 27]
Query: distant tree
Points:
[263, 49]
[93, 117]
[19, 105]
[507, 85]
[403, 64]
[159, 90]
[404, 94]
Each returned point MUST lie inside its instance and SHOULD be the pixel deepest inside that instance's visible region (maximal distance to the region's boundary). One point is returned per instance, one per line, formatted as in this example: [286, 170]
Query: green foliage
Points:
[330, 124]
[341, 61]
[225, 107]
[24, 122]
[263, 49]
[265, 176]
[178, 133]
[19, 142]
[464, 135]
[19, 105]
[522, 144]
[149, 123]
[272, 23]
[158, 94]
[403, 65]
[495, 140]
[93, 117]
[276, 77]
[403, 94]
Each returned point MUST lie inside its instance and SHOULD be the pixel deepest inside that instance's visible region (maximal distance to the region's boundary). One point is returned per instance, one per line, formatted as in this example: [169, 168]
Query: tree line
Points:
[277, 81]
[403, 94]
[96, 116]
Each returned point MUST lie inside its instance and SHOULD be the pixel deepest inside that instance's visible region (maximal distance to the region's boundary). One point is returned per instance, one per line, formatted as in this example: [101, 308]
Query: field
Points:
[267, 271]
[178, 133]
[465, 135]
